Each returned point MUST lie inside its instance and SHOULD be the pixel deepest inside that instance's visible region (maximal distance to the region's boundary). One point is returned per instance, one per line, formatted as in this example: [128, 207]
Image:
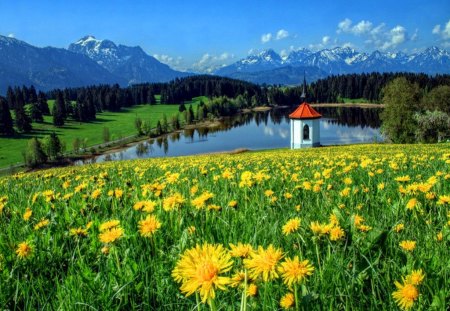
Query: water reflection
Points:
[256, 130]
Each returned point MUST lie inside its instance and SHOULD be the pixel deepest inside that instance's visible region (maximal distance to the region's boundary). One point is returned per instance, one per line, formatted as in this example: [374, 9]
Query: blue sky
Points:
[194, 34]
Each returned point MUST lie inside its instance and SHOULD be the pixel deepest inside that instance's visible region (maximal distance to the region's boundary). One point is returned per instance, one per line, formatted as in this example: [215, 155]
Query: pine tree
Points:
[23, 121]
[11, 97]
[58, 110]
[36, 113]
[6, 122]
[42, 103]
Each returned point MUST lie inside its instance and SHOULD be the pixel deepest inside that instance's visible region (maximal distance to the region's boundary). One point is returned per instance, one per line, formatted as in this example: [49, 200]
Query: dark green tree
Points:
[42, 103]
[58, 110]
[401, 100]
[23, 121]
[6, 122]
[438, 99]
[53, 146]
[164, 124]
[36, 113]
[34, 154]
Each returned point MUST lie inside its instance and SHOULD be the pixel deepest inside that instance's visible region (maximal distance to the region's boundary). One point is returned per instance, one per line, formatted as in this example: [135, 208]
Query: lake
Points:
[255, 131]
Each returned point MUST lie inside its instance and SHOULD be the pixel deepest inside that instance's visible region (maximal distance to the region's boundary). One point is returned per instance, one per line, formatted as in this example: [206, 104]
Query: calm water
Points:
[259, 130]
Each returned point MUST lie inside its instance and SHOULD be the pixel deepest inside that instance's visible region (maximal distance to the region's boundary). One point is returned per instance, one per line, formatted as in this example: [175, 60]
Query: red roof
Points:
[305, 111]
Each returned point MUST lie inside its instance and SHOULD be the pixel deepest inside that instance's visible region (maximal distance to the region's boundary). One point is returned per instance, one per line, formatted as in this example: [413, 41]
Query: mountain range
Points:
[91, 61]
[88, 61]
[262, 67]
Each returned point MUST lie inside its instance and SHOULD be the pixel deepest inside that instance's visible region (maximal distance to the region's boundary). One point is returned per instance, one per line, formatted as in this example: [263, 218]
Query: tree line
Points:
[83, 103]
[414, 114]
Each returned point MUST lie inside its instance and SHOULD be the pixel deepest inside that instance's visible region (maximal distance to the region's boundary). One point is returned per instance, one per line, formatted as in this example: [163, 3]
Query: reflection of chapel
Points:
[305, 125]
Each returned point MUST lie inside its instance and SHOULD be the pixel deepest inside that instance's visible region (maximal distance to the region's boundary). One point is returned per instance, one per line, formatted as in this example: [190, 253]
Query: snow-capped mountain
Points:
[131, 63]
[342, 61]
[47, 68]
[266, 60]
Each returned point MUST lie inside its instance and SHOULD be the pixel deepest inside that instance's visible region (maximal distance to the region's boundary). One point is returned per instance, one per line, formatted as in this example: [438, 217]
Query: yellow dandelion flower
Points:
[348, 181]
[268, 193]
[405, 178]
[214, 207]
[109, 224]
[191, 229]
[415, 277]
[439, 236]
[294, 271]
[405, 295]
[43, 223]
[298, 208]
[291, 226]
[173, 202]
[201, 270]
[232, 204]
[149, 226]
[252, 290]
[336, 233]
[345, 192]
[24, 250]
[111, 235]
[364, 228]
[411, 204]
[78, 232]
[287, 301]
[27, 214]
[408, 245]
[444, 199]
[399, 228]
[381, 186]
[193, 189]
[263, 262]
[105, 250]
[430, 196]
[96, 194]
[357, 220]
[240, 250]
[288, 195]
[146, 206]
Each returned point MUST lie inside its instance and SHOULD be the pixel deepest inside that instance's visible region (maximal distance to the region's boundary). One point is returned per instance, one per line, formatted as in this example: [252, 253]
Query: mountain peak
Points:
[86, 39]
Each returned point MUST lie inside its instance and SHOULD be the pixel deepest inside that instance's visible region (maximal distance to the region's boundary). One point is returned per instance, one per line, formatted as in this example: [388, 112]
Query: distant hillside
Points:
[47, 68]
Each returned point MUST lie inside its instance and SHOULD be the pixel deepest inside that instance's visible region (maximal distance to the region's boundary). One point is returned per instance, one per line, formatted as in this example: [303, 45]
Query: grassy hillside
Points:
[120, 124]
[361, 227]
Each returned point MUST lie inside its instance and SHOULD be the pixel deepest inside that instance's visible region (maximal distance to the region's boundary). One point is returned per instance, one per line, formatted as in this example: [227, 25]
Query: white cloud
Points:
[396, 36]
[325, 40]
[11, 35]
[362, 27]
[266, 37]
[281, 34]
[446, 31]
[436, 30]
[252, 51]
[209, 62]
[175, 62]
[378, 30]
[344, 25]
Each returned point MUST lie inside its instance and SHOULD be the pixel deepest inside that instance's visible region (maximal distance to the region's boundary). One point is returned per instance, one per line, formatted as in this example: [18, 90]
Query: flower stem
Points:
[212, 304]
[296, 297]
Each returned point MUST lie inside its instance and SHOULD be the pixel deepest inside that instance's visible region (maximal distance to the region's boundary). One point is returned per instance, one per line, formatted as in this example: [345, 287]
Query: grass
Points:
[355, 206]
[356, 101]
[120, 124]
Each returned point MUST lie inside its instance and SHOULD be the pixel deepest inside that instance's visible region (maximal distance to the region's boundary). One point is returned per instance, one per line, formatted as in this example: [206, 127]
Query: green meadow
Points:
[120, 125]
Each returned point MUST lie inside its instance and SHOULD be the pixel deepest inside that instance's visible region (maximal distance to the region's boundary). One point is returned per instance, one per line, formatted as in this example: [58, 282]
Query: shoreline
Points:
[117, 146]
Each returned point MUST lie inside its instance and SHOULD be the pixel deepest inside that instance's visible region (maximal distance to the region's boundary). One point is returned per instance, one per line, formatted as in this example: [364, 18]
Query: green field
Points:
[356, 101]
[120, 124]
[363, 227]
